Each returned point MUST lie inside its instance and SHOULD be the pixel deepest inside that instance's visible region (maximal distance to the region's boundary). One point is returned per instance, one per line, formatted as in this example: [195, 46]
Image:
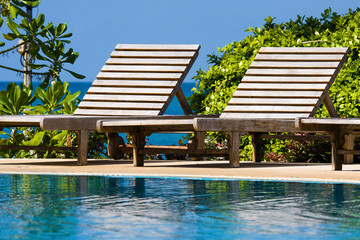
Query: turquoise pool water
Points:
[81, 207]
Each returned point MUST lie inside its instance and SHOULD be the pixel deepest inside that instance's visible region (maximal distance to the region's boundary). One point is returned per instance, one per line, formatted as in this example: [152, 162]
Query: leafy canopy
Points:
[216, 85]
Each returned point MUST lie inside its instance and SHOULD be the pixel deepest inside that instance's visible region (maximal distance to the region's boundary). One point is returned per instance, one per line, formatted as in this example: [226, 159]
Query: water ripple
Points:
[113, 208]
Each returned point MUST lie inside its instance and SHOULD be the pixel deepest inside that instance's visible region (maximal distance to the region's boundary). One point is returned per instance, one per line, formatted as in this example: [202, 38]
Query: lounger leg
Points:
[337, 140]
[234, 145]
[199, 143]
[349, 145]
[83, 140]
[138, 139]
[257, 144]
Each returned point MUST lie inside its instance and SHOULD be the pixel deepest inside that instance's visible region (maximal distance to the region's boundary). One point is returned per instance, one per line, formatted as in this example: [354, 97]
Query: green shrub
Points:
[55, 99]
[215, 86]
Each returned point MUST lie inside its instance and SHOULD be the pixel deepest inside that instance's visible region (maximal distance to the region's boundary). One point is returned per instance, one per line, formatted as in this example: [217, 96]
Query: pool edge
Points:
[195, 177]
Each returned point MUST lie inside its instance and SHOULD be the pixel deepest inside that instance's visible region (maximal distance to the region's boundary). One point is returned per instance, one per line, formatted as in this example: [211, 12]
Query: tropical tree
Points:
[45, 43]
[44, 50]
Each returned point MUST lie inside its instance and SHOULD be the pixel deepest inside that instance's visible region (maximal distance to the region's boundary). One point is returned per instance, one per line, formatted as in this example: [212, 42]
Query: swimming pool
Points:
[92, 207]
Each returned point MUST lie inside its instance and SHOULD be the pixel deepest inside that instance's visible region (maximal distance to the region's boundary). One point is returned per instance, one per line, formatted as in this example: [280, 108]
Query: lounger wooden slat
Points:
[149, 122]
[273, 101]
[307, 123]
[152, 54]
[133, 83]
[152, 47]
[154, 76]
[20, 120]
[149, 61]
[120, 105]
[278, 94]
[289, 72]
[281, 86]
[125, 98]
[308, 50]
[300, 57]
[294, 65]
[107, 112]
[227, 115]
[120, 90]
[268, 109]
[282, 79]
[143, 68]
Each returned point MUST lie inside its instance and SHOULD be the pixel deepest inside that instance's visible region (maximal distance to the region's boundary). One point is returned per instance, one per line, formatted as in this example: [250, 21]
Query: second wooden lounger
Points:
[282, 84]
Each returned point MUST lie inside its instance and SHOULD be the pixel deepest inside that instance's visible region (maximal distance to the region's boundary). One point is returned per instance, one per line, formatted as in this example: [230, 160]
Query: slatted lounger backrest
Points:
[286, 83]
[138, 80]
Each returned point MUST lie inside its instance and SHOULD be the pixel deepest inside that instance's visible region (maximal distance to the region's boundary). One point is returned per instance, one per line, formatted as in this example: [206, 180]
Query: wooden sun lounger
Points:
[282, 84]
[138, 81]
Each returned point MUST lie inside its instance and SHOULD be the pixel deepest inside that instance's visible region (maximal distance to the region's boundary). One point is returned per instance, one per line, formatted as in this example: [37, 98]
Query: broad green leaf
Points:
[36, 110]
[3, 133]
[60, 136]
[70, 97]
[46, 50]
[79, 76]
[12, 26]
[52, 30]
[66, 35]
[37, 66]
[61, 28]
[40, 20]
[65, 86]
[47, 27]
[9, 36]
[40, 57]
[36, 140]
[71, 56]
[13, 11]
[31, 3]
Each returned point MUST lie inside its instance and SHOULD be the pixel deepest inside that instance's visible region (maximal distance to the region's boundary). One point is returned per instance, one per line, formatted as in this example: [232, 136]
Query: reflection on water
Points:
[43, 207]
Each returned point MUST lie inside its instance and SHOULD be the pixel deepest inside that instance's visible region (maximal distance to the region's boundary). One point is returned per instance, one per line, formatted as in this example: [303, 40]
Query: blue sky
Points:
[97, 26]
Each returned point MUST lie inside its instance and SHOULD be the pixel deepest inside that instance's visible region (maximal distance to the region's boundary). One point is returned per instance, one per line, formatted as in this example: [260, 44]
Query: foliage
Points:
[44, 42]
[44, 50]
[54, 100]
[215, 86]
[297, 151]
[15, 99]
[97, 145]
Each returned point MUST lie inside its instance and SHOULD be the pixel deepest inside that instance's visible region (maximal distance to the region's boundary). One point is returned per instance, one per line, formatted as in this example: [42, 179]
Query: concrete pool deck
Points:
[193, 169]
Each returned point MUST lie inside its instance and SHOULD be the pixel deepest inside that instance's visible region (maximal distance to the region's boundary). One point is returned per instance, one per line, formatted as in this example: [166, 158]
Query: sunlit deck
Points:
[193, 169]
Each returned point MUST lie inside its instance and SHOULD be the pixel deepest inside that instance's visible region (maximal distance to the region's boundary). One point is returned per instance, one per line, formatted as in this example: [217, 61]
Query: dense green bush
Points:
[215, 86]
[45, 51]
[17, 100]
[55, 99]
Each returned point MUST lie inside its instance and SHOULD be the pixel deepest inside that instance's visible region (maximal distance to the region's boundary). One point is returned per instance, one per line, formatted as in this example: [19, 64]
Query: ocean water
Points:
[89, 207]
[156, 139]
